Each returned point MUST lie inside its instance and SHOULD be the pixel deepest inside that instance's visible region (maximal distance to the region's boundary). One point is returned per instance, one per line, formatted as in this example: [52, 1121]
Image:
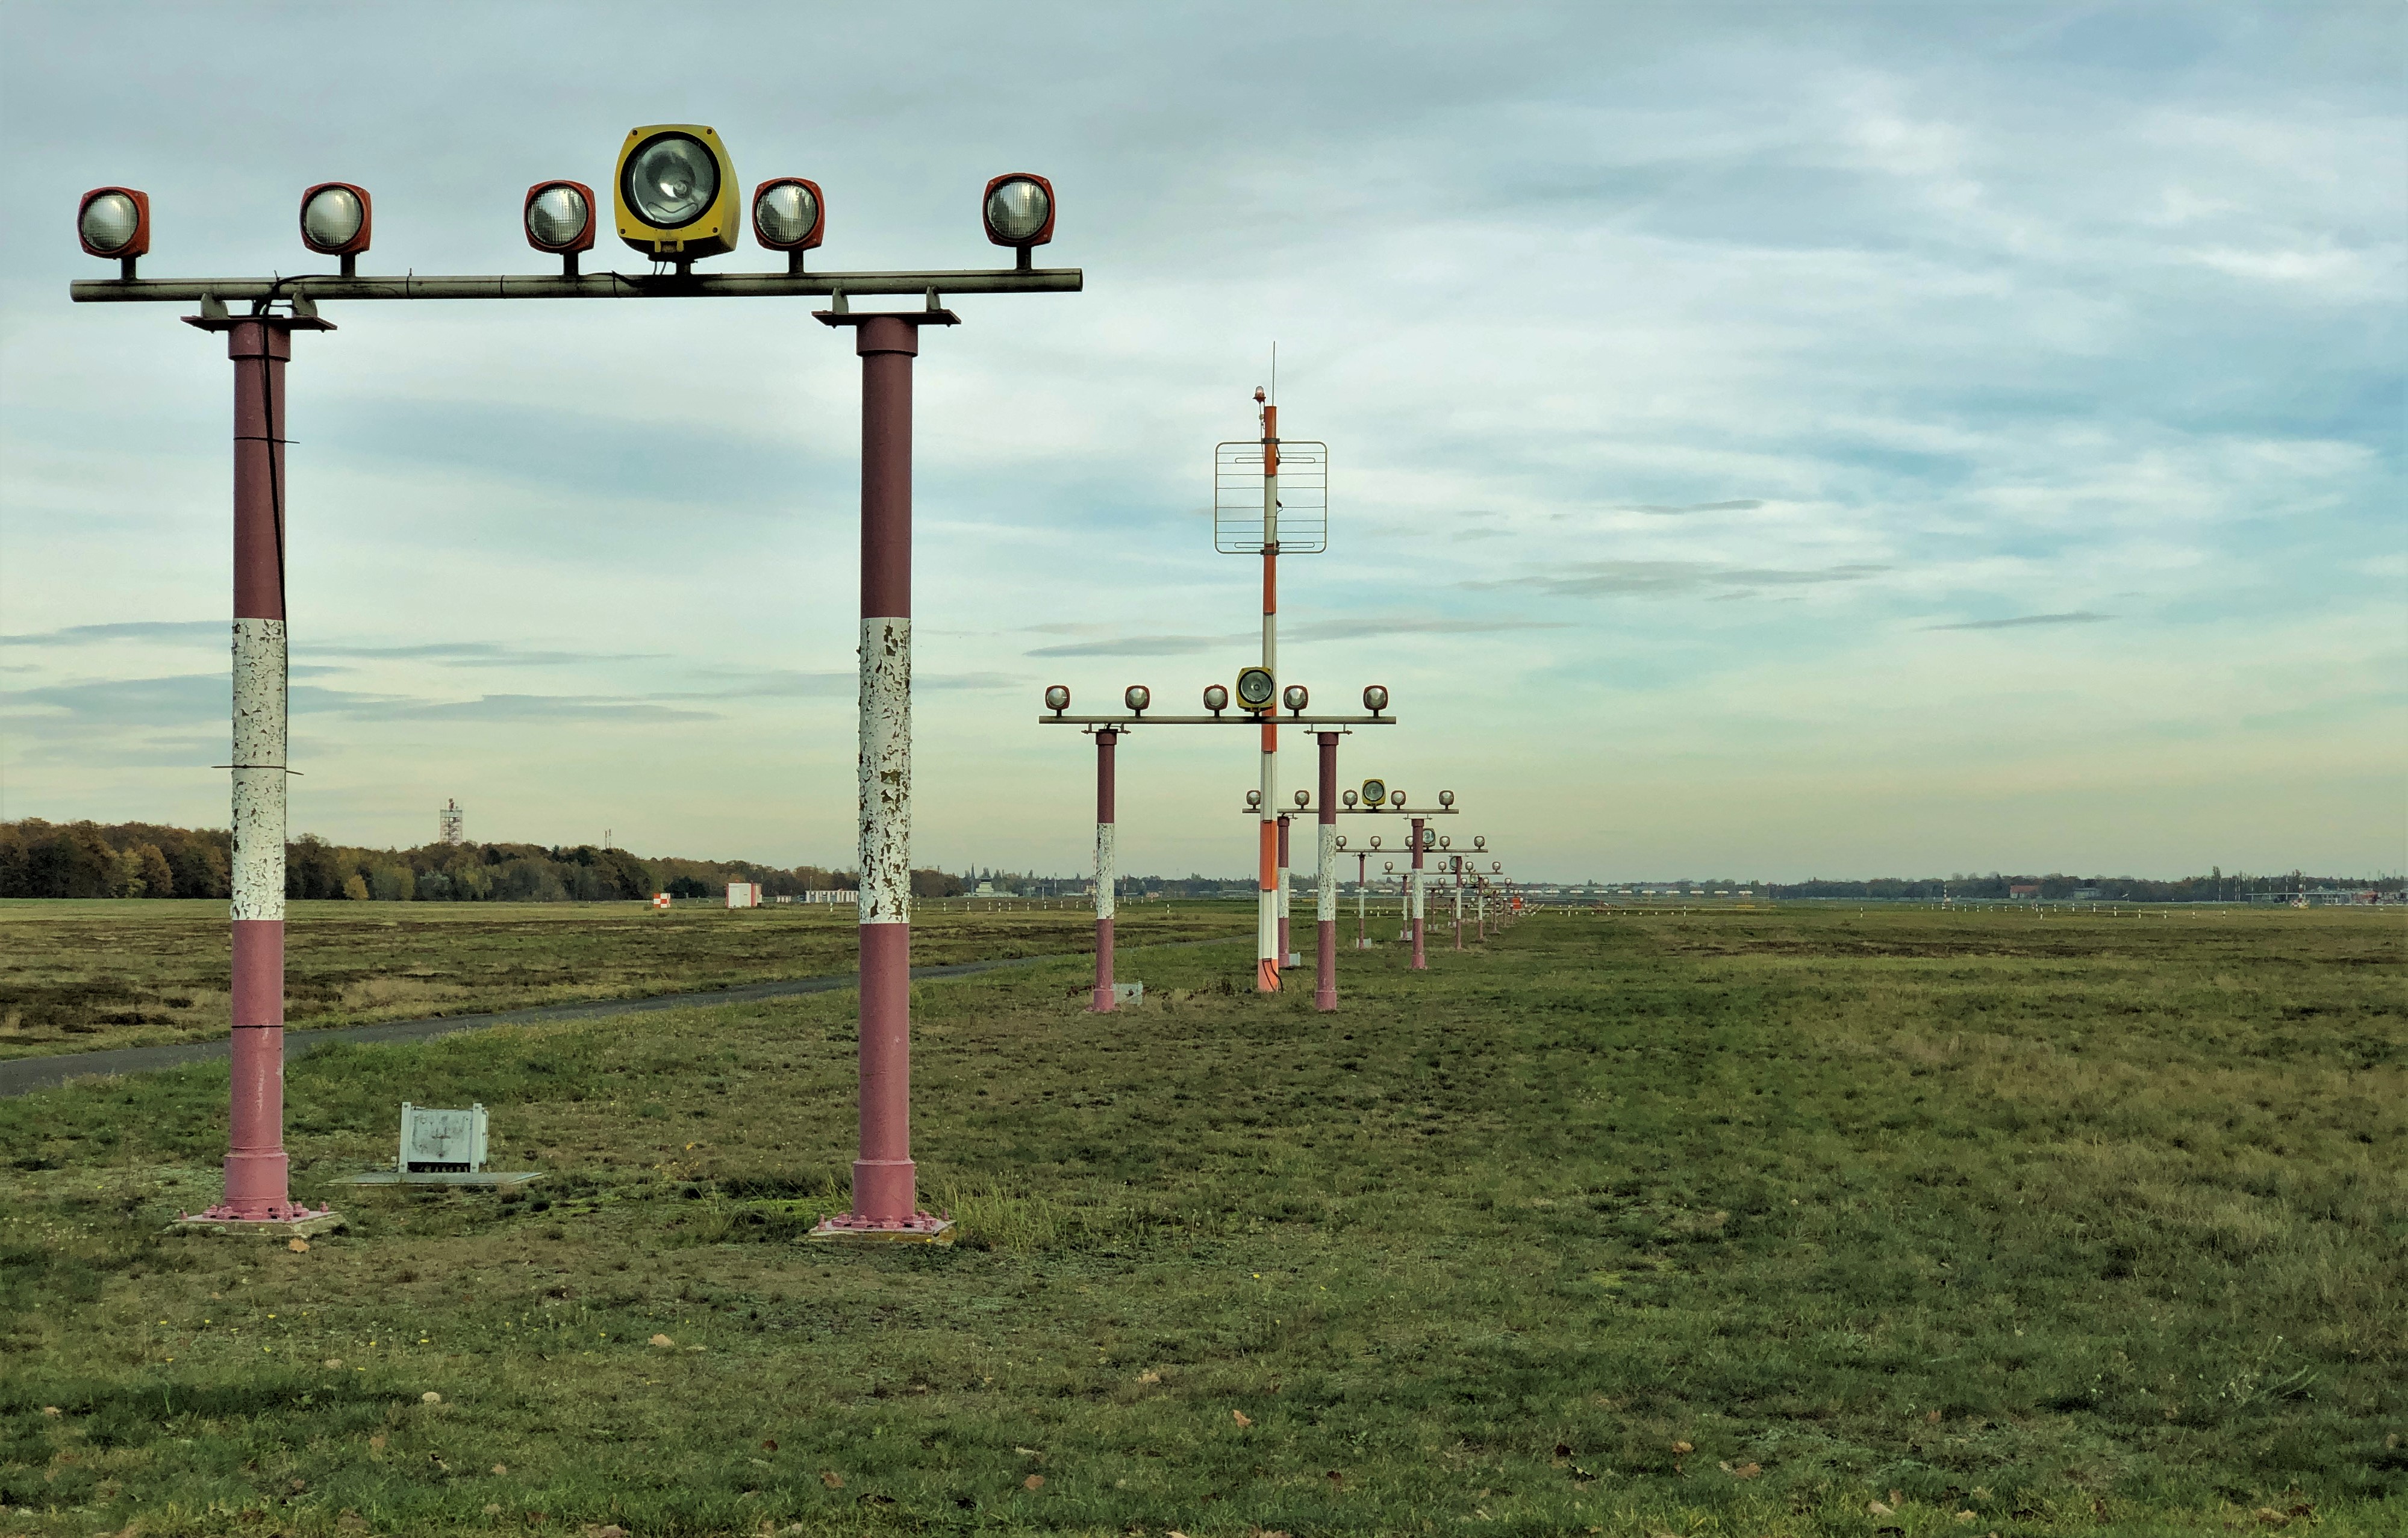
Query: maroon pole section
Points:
[1325, 985]
[1106, 868]
[885, 1198]
[1284, 950]
[257, 1174]
[1415, 902]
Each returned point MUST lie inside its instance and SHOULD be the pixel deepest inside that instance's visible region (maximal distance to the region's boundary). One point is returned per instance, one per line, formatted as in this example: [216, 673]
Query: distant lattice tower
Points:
[453, 823]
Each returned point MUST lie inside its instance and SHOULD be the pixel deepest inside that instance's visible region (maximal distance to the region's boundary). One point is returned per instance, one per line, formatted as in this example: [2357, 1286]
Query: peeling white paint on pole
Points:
[1413, 887]
[1325, 895]
[259, 690]
[1105, 873]
[886, 771]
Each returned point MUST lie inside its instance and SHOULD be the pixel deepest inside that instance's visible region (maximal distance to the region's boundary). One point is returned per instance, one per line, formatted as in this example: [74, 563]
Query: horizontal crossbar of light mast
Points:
[604, 285]
[1308, 723]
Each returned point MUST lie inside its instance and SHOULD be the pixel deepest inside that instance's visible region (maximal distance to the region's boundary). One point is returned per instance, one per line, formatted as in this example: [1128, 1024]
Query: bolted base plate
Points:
[267, 1228]
[922, 1229]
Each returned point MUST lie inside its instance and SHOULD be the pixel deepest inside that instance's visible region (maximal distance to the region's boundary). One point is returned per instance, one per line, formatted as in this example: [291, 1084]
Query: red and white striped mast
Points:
[1266, 952]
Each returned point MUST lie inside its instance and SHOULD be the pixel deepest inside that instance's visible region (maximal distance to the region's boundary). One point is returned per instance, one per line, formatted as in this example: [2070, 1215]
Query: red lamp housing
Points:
[357, 240]
[138, 244]
[771, 238]
[546, 236]
[1021, 240]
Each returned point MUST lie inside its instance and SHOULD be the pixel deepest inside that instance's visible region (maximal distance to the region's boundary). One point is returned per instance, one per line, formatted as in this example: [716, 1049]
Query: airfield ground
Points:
[1789, 1222]
[81, 976]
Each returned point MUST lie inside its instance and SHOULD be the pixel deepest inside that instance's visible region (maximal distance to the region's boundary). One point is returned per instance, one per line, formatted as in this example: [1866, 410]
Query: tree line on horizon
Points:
[39, 858]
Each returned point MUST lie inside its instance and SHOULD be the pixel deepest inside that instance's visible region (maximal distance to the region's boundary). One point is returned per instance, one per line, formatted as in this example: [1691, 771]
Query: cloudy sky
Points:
[1766, 440]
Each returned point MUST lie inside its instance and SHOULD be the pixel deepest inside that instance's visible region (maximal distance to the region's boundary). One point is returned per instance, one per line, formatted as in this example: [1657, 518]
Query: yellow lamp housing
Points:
[676, 194]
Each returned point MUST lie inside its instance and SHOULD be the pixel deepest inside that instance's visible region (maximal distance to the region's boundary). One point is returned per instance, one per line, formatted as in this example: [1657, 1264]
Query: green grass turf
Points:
[1758, 1224]
[75, 976]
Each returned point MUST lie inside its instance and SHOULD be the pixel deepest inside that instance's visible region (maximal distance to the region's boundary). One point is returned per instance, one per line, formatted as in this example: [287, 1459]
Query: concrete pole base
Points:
[218, 1221]
[921, 1228]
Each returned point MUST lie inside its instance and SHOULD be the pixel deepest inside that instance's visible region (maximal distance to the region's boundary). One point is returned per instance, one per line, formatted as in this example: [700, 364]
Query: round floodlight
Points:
[1255, 800]
[1349, 796]
[1256, 688]
[1397, 799]
[671, 180]
[1479, 841]
[788, 214]
[111, 221]
[1429, 836]
[1341, 841]
[1216, 699]
[1445, 842]
[1374, 791]
[335, 219]
[1388, 865]
[1495, 866]
[1138, 697]
[1375, 698]
[559, 217]
[1057, 698]
[1294, 697]
[1303, 798]
[1446, 798]
[1019, 210]
[1375, 841]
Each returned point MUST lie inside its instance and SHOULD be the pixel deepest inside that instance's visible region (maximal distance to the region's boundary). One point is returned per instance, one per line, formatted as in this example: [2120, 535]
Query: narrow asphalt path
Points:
[23, 1075]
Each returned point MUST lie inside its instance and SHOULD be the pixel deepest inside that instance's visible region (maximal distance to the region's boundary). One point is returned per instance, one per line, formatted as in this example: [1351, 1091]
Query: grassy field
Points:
[79, 975]
[1881, 1225]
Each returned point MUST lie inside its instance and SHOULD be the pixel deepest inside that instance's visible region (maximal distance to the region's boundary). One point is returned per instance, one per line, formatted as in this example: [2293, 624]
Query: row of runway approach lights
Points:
[675, 201]
[1259, 697]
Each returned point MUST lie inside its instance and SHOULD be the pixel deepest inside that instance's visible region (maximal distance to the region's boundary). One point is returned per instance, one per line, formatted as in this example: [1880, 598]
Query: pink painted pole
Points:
[1105, 872]
[1413, 903]
[257, 1172]
[1325, 894]
[885, 1198]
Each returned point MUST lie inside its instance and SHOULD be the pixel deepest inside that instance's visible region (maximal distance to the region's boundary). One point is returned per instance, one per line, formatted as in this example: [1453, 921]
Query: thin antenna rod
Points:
[1275, 374]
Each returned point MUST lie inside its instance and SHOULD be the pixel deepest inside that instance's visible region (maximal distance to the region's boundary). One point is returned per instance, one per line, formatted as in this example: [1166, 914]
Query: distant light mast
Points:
[1268, 959]
[452, 824]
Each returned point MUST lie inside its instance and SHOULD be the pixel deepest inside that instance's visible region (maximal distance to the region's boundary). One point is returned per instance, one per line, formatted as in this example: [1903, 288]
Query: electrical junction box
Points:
[1128, 993]
[436, 1142]
[442, 1147]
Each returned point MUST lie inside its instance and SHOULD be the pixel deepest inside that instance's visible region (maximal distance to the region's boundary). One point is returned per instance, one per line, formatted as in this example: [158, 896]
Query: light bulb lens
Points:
[1017, 210]
[557, 216]
[1057, 698]
[333, 217]
[109, 222]
[783, 214]
[671, 180]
